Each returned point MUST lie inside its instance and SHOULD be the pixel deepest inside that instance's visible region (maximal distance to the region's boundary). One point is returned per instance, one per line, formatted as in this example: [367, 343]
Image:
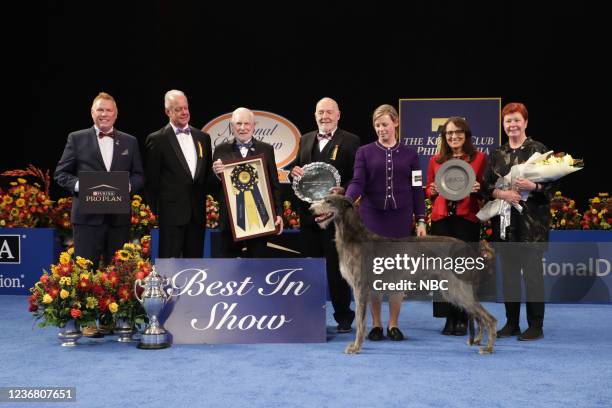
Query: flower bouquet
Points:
[60, 219]
[539, 168]
[64, 294]
[598, 215]
[114, 286]
[25, 204]
[212, 212]
[564, 215]
[142, 219]
[290, 218]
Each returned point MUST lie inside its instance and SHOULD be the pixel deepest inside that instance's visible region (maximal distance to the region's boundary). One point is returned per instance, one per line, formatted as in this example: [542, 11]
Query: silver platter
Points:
[455, 179]
[318, 178]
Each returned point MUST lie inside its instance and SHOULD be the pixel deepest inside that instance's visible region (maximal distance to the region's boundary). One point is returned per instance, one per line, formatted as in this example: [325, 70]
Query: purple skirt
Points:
[388, 223]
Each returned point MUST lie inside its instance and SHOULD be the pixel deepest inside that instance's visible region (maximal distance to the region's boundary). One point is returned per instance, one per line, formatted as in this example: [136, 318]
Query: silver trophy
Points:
[153, 300]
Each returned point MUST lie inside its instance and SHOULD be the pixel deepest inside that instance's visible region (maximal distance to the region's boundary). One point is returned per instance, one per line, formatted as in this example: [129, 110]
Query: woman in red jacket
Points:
[455, 218]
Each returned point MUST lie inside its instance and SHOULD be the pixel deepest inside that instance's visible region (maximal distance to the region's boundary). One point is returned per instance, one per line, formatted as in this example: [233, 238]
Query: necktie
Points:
[103, 134]
[322, 136]
[186, 131]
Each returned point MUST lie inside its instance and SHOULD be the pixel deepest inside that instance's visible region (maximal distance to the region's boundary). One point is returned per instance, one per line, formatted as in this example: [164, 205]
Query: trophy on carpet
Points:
[153, 299]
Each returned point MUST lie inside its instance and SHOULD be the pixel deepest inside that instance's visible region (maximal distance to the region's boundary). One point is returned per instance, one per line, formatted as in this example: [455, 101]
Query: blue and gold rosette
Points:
[249, 202]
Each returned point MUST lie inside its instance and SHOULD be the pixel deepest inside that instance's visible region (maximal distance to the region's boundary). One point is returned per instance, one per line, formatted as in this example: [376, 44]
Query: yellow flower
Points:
[562, 222]
[557, 194]
[137, 197]
[136, 204]
[21, 181]
[65, 258]
[143, 214]
[65, 280]
[123, 255]
[55, 271]
[593, 211]
[129, 246]
[64, 294]
[20, 202]
[47, 298]
[14, 212]
[92, 302]
[596, 200]
[113, 307]
[7, 199]
[12, 183]
[2, 223]
[70, 251]
[82, 262]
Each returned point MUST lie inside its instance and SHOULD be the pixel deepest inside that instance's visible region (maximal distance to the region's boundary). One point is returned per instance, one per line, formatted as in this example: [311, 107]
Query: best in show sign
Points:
[245, 300]
[271, 128]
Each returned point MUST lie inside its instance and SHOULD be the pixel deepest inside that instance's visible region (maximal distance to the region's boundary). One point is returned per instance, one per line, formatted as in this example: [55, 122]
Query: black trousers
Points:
[254, 247]
[181, 241]
[93, 241]
[319, 243]
[514, 259]
[465, 230]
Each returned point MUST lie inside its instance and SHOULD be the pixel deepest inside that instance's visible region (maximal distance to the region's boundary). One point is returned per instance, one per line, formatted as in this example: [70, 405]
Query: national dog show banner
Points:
[245, 300]
[421, 121]
[271, 128]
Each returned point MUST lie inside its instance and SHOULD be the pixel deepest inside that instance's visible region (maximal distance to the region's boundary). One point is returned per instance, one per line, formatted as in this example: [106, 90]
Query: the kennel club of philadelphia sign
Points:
[245, 300]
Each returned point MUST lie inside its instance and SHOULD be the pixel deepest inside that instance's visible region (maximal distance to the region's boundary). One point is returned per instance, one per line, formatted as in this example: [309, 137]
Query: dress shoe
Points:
[460, 329]
[508, 331]
[344, 327]
[376, 334]
[449, 327]
[395, 334]
[532, 333]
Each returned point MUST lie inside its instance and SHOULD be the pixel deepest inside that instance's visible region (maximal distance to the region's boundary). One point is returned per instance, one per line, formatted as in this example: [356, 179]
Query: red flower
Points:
[489, 231]
[44, 278]
[75, 313]
[124, 292]
[98, 290]
[32, 308]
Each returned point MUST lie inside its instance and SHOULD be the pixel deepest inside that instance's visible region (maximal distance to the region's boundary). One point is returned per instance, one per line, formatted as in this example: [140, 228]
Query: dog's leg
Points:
[471, 330]
[485, 319]
[361, 303]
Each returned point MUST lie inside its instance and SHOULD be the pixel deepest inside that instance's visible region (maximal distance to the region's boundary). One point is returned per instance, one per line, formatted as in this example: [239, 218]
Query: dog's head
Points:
[330, 208]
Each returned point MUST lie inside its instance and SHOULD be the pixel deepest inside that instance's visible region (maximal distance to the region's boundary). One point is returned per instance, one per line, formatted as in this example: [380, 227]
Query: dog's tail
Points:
[487, 252]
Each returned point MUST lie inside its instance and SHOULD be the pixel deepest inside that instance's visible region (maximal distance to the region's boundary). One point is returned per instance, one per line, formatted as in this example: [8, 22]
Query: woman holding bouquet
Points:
[455, 218]
[529, 225]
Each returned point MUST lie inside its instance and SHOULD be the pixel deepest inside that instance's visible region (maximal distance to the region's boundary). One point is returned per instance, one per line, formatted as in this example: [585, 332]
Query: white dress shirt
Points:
[188, 149]
[324, 142]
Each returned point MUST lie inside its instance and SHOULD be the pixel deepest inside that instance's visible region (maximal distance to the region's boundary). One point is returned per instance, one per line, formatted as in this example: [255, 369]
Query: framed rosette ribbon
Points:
[248, 198]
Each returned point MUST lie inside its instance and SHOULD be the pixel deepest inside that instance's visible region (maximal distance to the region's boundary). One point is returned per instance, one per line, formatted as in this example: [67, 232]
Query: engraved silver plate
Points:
[318, 178]
[455, 179]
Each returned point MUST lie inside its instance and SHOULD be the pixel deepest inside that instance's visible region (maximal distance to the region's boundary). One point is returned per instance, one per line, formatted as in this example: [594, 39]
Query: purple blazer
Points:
[383, 178]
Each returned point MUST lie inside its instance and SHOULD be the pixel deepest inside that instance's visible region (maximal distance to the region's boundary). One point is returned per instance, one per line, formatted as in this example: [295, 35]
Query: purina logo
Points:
[271, 128]
[10, 249]
[103, 186]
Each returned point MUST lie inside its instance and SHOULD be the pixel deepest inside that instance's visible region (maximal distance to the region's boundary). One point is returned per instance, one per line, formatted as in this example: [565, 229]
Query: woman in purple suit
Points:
[387, 178]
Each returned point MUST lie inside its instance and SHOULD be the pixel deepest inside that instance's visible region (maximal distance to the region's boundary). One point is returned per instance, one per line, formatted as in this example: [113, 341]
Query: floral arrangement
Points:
[25, 204]
[212, 212]
[599, 214]
[114, 286]
[564, 214]
[486, 230]
[60, 217]
[63, 294]
[74, 291]
[290, 218]
[142, 220]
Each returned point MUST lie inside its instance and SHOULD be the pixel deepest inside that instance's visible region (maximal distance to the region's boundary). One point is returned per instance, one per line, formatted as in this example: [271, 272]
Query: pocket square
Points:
[125, 152]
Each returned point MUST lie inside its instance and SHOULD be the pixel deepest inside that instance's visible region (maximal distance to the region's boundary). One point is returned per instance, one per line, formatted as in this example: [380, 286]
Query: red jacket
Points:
[466, 208]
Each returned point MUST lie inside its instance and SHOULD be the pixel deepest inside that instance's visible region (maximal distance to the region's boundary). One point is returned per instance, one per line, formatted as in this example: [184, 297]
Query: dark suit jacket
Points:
[343, 160]
[174, 195]
[227, 152]
[82, 153]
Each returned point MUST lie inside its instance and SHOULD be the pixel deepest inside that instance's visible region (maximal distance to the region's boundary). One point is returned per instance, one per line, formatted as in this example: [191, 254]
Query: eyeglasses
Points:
[458, 132]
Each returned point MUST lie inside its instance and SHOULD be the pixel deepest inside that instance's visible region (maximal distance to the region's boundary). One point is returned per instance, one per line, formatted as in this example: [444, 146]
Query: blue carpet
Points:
[571, 366]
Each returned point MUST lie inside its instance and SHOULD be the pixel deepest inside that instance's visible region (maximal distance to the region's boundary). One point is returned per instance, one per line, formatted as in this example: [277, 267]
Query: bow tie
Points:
[109, 134]
[186, 131]
[322, 136]
[246, 145]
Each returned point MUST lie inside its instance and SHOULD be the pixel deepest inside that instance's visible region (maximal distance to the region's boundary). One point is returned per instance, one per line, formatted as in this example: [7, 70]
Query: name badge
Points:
[417, 178]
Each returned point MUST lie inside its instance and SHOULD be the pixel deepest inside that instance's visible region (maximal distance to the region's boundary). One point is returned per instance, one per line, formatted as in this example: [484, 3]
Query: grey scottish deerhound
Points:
[352, 238]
